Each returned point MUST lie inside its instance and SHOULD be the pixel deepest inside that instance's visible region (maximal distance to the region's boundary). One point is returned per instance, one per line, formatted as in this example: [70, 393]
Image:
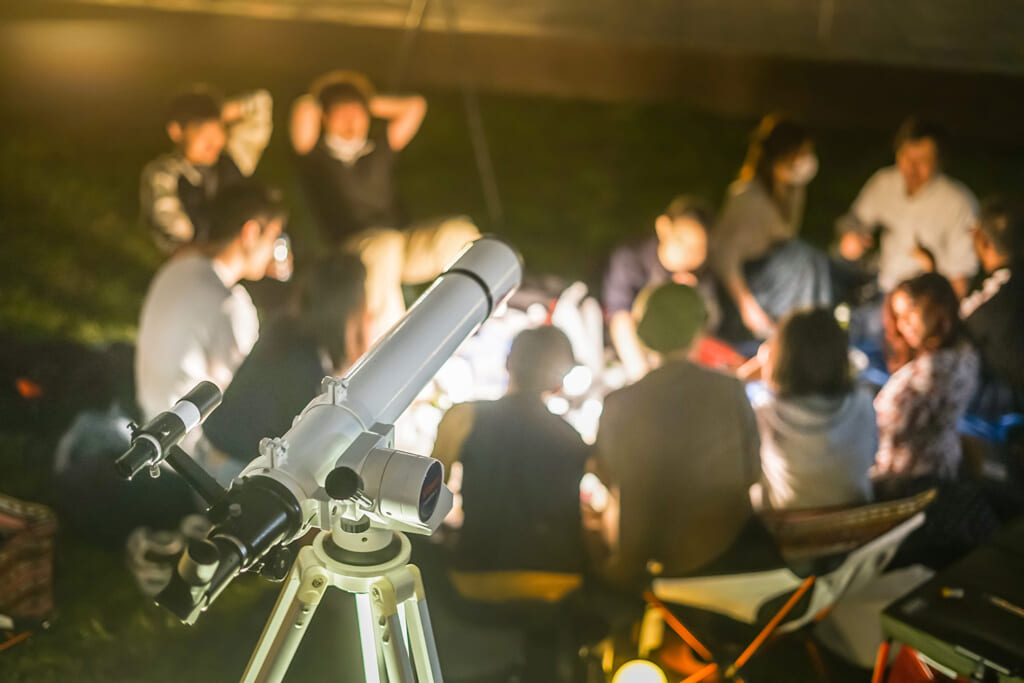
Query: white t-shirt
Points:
[192, 328]
[940, 216]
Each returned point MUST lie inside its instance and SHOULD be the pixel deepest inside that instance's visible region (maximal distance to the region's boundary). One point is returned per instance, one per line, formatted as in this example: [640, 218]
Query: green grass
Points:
[575, 178]
[107, 631]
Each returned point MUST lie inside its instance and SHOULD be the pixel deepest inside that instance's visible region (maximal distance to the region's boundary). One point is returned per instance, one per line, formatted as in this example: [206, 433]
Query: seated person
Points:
[521, 469]
[678, 253]
[992, 312]
[818, 433]
[678, 450]
[919, 407]
[754, 250]
[197, 322]
[324, 335]
[347, 139]
[216, 144]
[924, 215]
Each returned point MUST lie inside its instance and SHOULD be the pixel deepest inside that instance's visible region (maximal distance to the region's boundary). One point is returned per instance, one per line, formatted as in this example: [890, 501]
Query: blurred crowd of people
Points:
[921, 287]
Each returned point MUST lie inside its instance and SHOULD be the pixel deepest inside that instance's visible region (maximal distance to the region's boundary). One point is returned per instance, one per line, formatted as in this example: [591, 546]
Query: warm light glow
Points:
[558, 405]
[639, 671]
[589, 419]
[758, 393]
[456, 379]
[577, 381]
[280, 251]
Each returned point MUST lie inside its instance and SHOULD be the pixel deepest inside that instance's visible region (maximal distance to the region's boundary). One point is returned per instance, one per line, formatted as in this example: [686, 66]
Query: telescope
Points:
[337, 470]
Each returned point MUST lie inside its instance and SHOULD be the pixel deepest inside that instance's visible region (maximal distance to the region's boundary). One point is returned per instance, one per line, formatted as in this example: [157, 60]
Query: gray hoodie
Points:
[816, 451]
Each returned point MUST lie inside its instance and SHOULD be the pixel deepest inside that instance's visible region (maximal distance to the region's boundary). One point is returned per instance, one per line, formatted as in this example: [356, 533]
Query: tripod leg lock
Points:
[315, 581]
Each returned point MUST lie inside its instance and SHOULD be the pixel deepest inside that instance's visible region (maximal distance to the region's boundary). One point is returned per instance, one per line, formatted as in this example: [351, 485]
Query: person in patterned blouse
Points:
[919, 407]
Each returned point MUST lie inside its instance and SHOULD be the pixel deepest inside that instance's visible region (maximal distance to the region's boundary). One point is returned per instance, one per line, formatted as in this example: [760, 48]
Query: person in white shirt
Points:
[197, 322]
[925, 216]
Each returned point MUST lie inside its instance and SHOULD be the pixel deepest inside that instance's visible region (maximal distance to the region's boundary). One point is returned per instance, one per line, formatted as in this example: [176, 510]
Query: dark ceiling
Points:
[976, 35]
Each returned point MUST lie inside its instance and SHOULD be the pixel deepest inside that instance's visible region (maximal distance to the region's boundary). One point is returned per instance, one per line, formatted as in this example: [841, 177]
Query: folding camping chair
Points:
[827, 553]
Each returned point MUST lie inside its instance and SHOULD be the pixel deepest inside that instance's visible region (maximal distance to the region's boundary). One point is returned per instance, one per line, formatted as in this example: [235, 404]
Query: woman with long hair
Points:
[919, 407]
[818, 434]
[754, 249]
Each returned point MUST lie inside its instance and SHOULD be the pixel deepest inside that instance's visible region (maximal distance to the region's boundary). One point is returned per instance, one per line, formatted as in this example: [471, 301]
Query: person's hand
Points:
[852, 245]
[684, 278]
[754, 317]
[756, 368]
[231, 111]
[304, 127]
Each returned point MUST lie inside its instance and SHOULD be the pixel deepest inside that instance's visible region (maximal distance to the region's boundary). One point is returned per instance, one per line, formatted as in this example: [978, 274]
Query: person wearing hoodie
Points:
[818, 433]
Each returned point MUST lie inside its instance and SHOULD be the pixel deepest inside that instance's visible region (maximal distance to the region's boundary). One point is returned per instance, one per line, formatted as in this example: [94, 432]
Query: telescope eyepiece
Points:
[198, 563]
[152, 442]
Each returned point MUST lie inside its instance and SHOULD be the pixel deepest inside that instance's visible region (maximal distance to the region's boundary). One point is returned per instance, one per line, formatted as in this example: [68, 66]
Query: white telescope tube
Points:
[391, 374]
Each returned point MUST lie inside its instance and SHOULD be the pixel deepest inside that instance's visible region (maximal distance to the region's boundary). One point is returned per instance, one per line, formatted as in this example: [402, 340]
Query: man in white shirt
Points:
[197, 322]
[925, 216]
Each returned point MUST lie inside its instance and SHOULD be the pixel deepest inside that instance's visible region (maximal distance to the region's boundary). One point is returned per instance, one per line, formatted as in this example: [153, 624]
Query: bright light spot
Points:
[639, 671]
[593, 492]
[590, 416]
[842, 315]
[558, 405]
[456, 379]
[577, 381]
[758, 394]
[280, 251]
[536, 314]
[859, 360]
[426, 418]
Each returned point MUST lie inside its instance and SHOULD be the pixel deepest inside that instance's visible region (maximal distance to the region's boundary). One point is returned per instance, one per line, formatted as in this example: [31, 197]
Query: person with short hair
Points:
[925, 217]
[347, 138]
[217, 144]
[920, 405]
[322, 334]
[754, 247]
[818, 432]
[197, 322]
[678, 450]
[677, 253]
[520, 474]
[992, 312]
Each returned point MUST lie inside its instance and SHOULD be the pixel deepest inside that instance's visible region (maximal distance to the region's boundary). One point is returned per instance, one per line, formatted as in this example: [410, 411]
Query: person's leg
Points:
[431, 246]
[382, 253]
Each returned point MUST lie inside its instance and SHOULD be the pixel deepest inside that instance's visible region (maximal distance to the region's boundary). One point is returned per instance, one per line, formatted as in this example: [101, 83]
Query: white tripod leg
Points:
[388, 631]
[421, 632]
[373, 656]
[292, 613]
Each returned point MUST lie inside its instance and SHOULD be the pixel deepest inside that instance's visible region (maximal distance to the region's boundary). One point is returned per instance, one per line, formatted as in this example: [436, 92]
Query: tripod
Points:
[373, 564]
